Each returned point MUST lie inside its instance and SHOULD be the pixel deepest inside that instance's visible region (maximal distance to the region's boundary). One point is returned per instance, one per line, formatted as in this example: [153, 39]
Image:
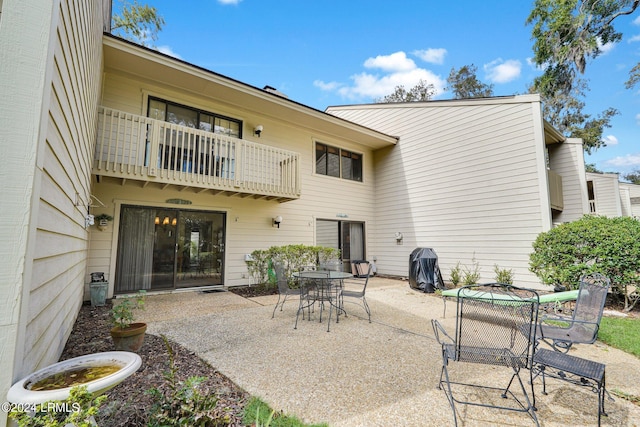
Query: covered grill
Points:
[424, 273]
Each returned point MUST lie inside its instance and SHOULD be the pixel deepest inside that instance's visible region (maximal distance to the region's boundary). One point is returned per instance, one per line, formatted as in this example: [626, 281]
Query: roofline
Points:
[134, 48]
[510, 99]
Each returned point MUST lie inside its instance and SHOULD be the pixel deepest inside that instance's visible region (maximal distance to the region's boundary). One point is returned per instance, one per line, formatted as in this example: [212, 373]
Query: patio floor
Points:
[360, 374]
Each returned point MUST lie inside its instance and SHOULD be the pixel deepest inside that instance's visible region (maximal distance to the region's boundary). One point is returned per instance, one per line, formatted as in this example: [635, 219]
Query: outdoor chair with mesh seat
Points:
[561, 332]
[284, 291]
[356, 288]
[497, 328]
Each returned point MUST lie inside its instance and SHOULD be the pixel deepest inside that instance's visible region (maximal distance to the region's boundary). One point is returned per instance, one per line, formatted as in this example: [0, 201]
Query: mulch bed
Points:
[128, 403]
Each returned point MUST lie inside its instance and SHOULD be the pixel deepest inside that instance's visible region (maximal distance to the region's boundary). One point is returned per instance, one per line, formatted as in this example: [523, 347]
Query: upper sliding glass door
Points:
[161, 248]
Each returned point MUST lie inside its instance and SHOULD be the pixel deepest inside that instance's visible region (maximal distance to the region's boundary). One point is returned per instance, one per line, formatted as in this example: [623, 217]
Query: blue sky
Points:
[333, 52]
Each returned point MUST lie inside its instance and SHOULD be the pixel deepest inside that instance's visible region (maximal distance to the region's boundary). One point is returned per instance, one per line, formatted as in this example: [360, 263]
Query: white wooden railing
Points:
[135, 147]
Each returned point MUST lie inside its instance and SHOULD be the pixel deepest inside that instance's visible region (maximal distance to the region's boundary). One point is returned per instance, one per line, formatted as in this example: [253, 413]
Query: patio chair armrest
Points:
[439, 329]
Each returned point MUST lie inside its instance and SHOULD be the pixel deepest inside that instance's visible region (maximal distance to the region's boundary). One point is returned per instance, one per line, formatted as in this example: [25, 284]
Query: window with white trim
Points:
[334, 161]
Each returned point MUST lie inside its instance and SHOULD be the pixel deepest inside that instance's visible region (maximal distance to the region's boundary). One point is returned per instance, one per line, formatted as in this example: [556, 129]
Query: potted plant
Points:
[102, 220]
[128, 335]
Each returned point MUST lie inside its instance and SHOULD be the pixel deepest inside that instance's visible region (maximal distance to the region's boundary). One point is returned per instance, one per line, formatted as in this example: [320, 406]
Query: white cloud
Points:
[605, 48]
[629, 160]
[326, 86]
[234, 2]
[396, 62]
[386, 72]
[434, 56]
[638, 118]
[633, 39]
[368, 85]
[637, 21]
[168, 51]
[610, 140]
[500, 71]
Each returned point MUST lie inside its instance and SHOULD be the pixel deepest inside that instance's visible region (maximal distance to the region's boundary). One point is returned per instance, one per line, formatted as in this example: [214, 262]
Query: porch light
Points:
[174, 221]
[165, 221]
[258, 130]
[157, 220]
[277, 220]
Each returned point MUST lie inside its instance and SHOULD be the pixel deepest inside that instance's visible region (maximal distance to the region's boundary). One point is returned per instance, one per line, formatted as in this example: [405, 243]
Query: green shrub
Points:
[182, 403]
[455, 273]
[81, 404]
[471, 275]
[610, 246]
[293, 257]
[503, 275]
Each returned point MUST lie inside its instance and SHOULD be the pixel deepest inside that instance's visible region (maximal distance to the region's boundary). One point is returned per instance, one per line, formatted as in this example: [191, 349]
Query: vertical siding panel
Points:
[59, 257]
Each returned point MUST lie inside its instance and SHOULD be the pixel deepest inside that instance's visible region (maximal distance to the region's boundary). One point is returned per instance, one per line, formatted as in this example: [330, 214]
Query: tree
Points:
[423, 91]
[591, 167]
[463, 83]
[592, 244]
[633, 177]
[137, 22]
[567, 33]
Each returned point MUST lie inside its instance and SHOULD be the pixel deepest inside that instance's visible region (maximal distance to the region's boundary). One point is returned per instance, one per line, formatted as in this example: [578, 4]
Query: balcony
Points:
[136, 148]
[556, 197]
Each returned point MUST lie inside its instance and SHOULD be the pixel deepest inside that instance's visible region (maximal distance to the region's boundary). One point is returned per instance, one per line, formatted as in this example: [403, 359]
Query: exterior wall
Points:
[467, 178]
[50, 80]
[632, 200]
[607, 193]
[249, 221]
[567, 159]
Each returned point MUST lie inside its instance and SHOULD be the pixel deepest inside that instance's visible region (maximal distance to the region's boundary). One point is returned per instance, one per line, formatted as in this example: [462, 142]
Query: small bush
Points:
[503, 275]
[182, 403]
[471, 275]
[293, 257]
[455, 273]
[610, 246]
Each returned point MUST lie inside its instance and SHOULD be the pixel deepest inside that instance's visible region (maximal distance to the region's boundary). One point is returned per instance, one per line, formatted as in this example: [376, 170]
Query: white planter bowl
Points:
[130, 362]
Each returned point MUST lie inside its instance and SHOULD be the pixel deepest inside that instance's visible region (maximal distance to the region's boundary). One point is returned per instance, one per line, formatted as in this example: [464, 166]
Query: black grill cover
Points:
[424, 273]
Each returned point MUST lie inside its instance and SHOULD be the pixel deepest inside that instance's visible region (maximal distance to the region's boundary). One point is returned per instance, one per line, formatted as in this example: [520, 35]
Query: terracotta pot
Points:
[130, 338]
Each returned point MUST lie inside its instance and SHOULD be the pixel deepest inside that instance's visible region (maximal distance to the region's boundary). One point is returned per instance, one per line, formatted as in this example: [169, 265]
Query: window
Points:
[187, 152]
[332, 161]
[182, 115]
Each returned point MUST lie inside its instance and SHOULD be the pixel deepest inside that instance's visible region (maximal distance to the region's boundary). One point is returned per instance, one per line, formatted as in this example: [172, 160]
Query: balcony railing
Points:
[133, 147]
[555, 191]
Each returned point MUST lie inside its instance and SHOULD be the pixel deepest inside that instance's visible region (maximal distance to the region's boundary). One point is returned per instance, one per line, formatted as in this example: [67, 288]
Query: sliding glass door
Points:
[344, 235]
[161, 248]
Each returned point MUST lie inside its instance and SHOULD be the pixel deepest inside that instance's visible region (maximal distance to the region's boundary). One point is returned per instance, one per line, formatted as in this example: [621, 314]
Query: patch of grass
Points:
[626, 396]
[259, 413]
[621, 333]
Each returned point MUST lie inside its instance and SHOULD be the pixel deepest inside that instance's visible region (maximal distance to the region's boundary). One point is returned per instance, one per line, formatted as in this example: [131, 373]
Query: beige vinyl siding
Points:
[68, 79]
[567, 160]
[633, 192]
[249, 221]
[464, 179]
[607, 193]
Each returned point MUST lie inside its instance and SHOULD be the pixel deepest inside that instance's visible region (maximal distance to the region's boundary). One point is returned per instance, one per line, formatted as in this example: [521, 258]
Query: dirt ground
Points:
[128, 403]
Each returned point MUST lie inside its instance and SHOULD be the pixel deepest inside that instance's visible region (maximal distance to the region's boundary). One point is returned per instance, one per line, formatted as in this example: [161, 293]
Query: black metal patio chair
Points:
[561, 332]
[356, 288]
[496, 326]
[284, 291]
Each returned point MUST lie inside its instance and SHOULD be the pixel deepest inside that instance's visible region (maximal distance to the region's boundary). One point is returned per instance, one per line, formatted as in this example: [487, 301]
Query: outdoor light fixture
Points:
[174, 221]
[258, 130]
[157, 220]
[277, 220]
[165, 221]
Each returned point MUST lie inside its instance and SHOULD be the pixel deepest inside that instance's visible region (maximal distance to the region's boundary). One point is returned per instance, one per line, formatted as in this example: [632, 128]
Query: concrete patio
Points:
[360, 374]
